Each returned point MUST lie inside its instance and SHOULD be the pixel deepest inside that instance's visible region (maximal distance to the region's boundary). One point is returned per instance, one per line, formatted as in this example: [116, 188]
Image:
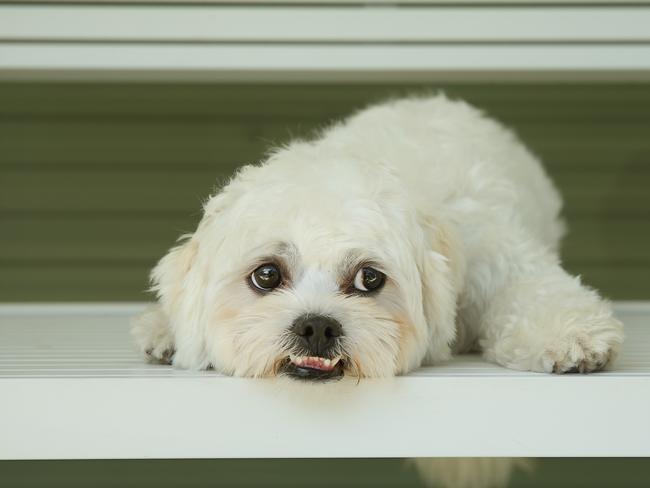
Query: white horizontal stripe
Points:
[310, 24]
[115, 309]
[323, 59]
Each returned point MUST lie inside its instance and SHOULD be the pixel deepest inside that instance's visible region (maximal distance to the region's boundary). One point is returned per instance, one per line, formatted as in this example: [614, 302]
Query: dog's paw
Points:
[160, 355]
[153, 336]
[586, 350]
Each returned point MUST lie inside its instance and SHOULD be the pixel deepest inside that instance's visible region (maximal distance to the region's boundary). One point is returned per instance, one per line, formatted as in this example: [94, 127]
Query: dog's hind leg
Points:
[153, 335]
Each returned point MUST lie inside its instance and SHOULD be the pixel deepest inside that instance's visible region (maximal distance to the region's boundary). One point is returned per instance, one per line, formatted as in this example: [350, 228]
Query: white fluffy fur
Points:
[451, 206]
[458, 213]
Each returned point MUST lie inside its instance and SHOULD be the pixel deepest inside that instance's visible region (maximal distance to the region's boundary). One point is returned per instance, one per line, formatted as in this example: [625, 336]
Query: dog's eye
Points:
[369, 279]
[266, 277]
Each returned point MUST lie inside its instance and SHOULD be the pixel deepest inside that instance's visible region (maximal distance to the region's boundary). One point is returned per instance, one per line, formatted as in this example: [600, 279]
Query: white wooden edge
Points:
[301, 24]
[410, 417]
[304, 43]
[322, 59]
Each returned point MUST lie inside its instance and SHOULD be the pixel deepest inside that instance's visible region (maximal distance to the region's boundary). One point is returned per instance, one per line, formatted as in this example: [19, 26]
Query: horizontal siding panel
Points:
[85, 238]
[90, 281]
[615, 281]
[108, 190]
[102, 144]
[602, 240]
[623, 194]
[318, 23]
[161, 190]
[288, 62]
[624, 101]
[606, 154]
[204, 143]
[292, 473]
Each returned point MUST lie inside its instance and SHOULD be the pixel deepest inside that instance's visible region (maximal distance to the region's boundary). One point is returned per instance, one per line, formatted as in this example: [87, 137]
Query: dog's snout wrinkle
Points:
[318, 333]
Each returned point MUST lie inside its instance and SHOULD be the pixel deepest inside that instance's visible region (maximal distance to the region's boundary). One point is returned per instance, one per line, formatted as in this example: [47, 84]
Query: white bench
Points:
[73, 387]
[372, 40]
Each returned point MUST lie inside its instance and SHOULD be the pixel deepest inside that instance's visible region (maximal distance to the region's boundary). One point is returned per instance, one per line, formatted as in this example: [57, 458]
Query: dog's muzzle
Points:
[318, 336]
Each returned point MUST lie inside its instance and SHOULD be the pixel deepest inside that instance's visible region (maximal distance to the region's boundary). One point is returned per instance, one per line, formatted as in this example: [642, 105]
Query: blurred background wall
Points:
[97, 180]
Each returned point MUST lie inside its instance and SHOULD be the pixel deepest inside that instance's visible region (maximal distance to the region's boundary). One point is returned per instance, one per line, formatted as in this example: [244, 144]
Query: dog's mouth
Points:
[314, 368]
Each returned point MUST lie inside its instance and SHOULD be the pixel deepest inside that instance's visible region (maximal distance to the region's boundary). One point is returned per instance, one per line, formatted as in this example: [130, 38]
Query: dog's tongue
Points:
[312, 362]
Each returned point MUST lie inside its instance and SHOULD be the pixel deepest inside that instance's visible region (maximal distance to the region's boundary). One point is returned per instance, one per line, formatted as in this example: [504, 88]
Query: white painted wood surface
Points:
[303, 24]
[72, 387]
[296, 42]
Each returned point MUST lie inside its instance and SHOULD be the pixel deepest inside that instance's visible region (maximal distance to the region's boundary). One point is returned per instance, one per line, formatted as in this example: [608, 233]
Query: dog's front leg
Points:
[153, 335]
[543, 319]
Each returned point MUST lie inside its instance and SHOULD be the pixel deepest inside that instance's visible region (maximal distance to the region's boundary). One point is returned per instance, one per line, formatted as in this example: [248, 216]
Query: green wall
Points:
[97, 180]
[301, 473]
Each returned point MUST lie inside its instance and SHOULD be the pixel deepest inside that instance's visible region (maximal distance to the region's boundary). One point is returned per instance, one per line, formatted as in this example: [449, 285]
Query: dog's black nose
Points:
[317, 332]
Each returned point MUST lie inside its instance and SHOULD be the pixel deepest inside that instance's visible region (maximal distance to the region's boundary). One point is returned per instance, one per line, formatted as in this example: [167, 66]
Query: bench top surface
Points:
[74, 387]
[43, 341]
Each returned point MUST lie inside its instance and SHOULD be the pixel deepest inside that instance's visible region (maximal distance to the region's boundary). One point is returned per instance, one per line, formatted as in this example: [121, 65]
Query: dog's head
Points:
[314, 271]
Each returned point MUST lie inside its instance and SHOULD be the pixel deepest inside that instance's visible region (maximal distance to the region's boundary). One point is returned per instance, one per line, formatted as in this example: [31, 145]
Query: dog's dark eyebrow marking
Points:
[352, 261]
[283, 253]
[288, 252]
[285, 249]
[281, 249]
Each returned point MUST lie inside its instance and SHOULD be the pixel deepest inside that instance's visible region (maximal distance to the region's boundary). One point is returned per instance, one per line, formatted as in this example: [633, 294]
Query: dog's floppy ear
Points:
[153, 330]
[179, 281]
[442, 270]
[168, 278]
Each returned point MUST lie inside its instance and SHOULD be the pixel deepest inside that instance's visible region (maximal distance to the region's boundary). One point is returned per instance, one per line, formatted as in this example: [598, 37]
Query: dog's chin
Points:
[312, 369]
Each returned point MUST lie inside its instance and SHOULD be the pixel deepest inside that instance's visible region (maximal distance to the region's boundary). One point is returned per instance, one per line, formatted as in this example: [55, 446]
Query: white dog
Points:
[415, 229]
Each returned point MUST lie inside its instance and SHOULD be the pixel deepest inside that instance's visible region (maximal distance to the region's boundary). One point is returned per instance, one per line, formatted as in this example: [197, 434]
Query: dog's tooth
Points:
[335, 361]
[326, 362]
